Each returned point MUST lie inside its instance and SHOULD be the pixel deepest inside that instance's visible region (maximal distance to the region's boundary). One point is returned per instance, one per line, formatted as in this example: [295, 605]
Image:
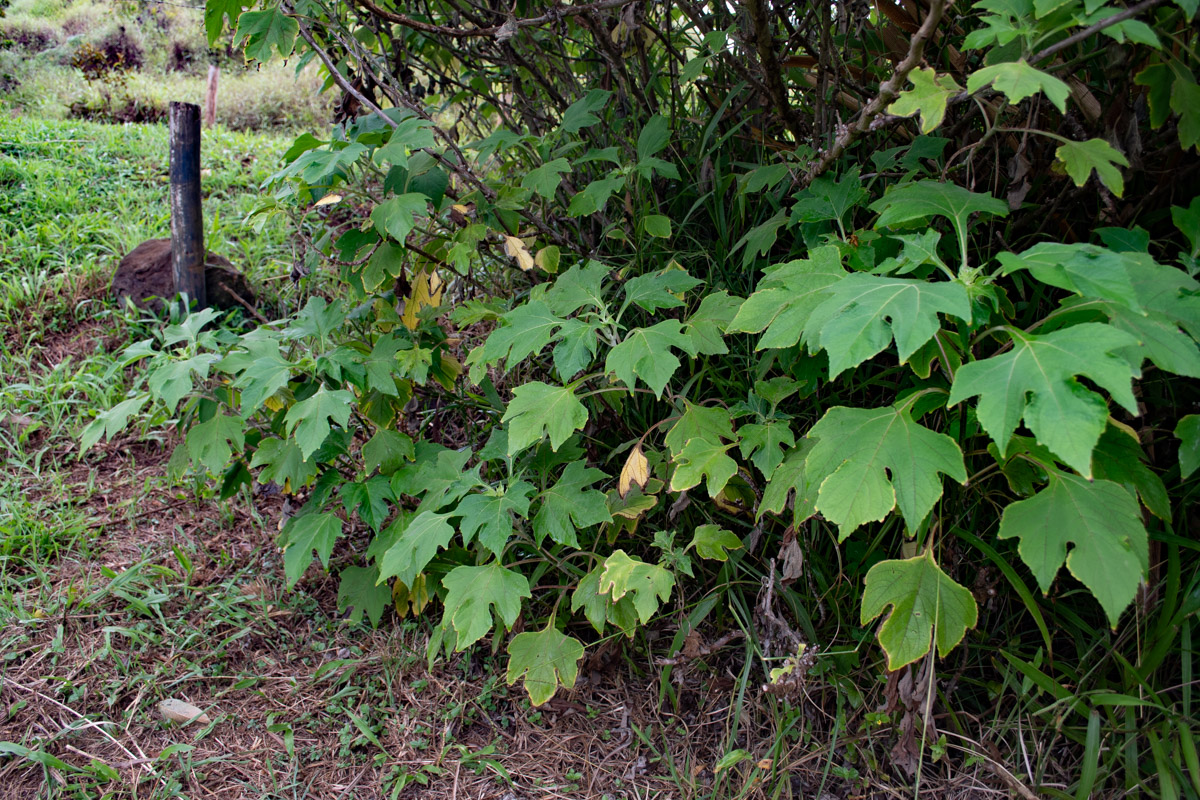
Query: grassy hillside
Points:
[125, 61]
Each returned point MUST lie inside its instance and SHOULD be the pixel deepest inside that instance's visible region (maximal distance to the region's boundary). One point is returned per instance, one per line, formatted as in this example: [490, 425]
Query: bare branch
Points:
[888, 92]
[509, 27]
[1079, 36]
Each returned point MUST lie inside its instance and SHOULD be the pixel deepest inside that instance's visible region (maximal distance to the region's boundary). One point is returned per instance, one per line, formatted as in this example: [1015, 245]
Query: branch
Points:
[1079, 36]
[888, 92]
[764, 42]
[499, 31]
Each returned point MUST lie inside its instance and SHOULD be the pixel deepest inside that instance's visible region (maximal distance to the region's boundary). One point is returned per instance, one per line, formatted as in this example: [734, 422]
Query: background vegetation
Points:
[142, 56]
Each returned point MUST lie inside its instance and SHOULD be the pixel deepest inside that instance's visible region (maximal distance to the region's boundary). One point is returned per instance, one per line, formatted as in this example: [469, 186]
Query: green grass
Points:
[74, 197]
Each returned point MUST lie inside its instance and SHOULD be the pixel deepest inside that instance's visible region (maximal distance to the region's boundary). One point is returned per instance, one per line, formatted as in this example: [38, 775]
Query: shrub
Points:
[30, 36]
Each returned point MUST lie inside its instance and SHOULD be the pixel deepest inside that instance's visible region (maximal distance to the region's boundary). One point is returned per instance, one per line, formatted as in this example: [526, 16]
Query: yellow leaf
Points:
[328, 200]
[451, 369]
[547, 259]
[636, 470]
[516, 248]
[426, 291]
[415, 598]
[460, 208]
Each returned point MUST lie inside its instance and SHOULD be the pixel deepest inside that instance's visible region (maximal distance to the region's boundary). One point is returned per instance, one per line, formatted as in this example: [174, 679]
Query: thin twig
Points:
[509, 27]
[245, 304]
[888, 92]
[1079, 36]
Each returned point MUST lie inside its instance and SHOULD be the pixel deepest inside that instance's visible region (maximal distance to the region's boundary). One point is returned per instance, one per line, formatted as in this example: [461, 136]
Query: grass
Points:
[170, 54]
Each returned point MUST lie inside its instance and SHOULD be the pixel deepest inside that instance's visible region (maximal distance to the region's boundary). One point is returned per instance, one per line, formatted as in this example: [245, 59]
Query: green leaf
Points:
[646, 354]
[208, 443]
[1153, 303]
[308, 420]
[263, 376]
[792, 475]
[708, 324]
[870, 460]
[172, 380]
[397, 215]
[411, 133]
[437, 475]
[863, 313]
[595, 195]
[215, 12]
[599, 608]
[1080, 158]
[765, 177]
[576, 348]
[917, 250]
[1063, 414]
[1185, 101]
[654, 137]
[283, 464]
[1187, 220]
[1119, 458]
[1017, 80]
[648, 584]
[1188, 433]
[829, 199]
[382, 365]
[526, 331]
[658, 290]
[579, 114]
[696, 421]
[302, 535]
[765, 444]
[570, 505]
[1110, 554]
[546, 659]
[712, 542]
[371, 498]
[700, 458]
[472, 593]
[318, 320]
[760, 239]
[657, 225]
[489, 516]
[927, 608]
[929, 96]
[111, 422]
[260, 31]
[578, 287]
[359, 588]
[538, 409]
[924, 199]
[1086, 269]
[1158, 78]
[786, 297]
[545, 179]
[417, 541]
[387, 451]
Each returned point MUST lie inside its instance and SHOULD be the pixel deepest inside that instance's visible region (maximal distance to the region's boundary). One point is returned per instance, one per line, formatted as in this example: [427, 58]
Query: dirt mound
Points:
[145, 276]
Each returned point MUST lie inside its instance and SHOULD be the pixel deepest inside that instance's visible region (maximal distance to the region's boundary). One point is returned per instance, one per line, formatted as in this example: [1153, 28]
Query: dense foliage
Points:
[778, 315]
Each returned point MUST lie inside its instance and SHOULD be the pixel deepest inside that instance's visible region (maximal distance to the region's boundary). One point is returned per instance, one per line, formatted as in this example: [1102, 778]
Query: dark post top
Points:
[187, 220]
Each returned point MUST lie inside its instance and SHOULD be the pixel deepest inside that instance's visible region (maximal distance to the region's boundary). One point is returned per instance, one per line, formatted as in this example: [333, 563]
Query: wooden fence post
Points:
[210, 96]
[187, 220]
